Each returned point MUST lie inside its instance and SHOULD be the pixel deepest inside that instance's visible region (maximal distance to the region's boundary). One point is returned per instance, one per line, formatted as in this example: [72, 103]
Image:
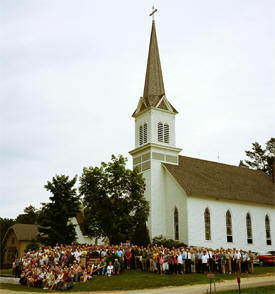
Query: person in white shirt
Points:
[110, 269]
[204, 259]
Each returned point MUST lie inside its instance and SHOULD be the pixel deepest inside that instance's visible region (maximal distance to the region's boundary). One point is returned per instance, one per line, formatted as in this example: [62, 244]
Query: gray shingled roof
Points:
[227, 182]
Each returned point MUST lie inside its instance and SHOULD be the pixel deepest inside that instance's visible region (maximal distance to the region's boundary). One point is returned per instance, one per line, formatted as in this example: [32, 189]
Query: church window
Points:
[166, 133]
[160, 132]
[140, 135]
[207, 224]
[176, 224]
[249, 229]
[267, 230]
[145, 133]
[229, 227]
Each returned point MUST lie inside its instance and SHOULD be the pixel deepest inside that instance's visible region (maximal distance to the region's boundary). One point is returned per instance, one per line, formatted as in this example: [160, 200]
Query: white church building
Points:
[199, 202]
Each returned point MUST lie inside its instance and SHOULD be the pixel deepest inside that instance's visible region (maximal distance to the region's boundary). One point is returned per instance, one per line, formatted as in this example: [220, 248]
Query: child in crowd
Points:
[110, 269]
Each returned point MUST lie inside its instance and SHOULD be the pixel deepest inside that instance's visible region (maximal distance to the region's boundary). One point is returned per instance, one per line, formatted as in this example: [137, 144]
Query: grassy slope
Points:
[130, 280]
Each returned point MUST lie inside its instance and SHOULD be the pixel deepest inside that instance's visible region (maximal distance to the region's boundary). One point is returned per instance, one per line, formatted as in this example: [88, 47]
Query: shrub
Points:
[169, 243]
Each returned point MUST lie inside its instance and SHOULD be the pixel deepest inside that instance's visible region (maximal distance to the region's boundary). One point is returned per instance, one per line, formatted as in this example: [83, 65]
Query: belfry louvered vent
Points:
[166, 133]
[145, 133]
[160, 132]
[140, 135]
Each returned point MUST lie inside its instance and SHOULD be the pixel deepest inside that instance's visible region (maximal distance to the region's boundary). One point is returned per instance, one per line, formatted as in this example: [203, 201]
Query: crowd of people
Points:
[59, 267]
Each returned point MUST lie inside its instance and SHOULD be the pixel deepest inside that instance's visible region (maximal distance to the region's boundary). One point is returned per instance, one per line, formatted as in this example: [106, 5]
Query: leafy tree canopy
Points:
[29, 216]
[259, 158]
[64, 204]
[114, 202]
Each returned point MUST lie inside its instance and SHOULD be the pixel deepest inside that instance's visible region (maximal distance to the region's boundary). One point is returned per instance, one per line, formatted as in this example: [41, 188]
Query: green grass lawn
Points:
[258, 290]
[130, 280]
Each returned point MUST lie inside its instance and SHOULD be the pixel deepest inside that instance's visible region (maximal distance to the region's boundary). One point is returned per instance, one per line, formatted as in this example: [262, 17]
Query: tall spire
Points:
[153, 80]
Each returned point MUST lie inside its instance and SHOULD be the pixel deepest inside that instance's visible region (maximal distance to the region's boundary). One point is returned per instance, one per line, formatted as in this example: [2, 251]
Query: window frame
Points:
[267, 230]
[176, 224]
[207, 224]
[228, 221]
[249, 229]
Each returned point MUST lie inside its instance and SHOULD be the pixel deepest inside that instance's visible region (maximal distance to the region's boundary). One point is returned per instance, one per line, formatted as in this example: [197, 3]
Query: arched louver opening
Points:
[160, 132]
[229, 227]
[207, 224]
[166, 133]
[267, 230]
[249, 229]
[145, 133]
[176, 224]
[140, 135]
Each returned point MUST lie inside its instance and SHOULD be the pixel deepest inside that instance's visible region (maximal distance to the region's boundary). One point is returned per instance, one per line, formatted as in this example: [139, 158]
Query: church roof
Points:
[222, 181]
[153, 86]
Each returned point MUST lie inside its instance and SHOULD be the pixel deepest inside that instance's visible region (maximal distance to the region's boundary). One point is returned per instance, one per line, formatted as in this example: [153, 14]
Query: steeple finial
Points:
[153, 80]
[154, 10]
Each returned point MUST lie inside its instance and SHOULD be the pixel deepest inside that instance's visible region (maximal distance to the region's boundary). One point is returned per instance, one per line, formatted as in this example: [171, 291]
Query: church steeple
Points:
[153, 93]
[154, 85]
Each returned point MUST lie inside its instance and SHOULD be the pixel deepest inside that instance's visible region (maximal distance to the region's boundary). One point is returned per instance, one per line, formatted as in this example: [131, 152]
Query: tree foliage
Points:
[259, 158]
[29, 216]
[33, 245]
[114, 202]
[64, 204]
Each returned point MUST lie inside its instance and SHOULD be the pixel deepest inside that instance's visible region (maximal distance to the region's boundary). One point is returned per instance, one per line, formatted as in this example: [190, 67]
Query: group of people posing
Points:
[59, 267]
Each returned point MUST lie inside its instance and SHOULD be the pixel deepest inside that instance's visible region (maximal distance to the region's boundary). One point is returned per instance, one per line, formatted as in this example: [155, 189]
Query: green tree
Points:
[33, 245]
[114, 202]
[259, 158]
[64, 204]
[29, 216]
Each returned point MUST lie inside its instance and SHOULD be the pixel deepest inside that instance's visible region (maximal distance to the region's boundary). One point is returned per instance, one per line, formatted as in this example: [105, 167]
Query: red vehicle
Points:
[267, 258]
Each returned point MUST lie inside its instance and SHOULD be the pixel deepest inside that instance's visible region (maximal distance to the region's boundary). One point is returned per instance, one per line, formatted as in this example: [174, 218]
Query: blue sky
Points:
[72, 73]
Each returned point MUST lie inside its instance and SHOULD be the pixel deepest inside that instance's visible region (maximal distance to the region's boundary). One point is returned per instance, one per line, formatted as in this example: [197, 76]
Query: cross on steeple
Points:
[154, 10]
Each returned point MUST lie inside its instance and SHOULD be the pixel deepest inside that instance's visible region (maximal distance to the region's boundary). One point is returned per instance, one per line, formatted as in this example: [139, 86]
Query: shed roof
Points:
[23, 232]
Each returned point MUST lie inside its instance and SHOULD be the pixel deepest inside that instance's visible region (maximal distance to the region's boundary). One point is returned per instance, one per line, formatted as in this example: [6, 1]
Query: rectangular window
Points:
[173, 159]
[249, 241]
[157, 156]
[146, 165]
[146, 156]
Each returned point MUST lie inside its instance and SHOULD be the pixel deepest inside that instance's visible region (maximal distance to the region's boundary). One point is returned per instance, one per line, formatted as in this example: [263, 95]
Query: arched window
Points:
[207, 224]
[229, 227]
[166, 133]
[140, 135]
[145, 133]
[176, 224]
[160, 132]
[249, 229]
[267, 230]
